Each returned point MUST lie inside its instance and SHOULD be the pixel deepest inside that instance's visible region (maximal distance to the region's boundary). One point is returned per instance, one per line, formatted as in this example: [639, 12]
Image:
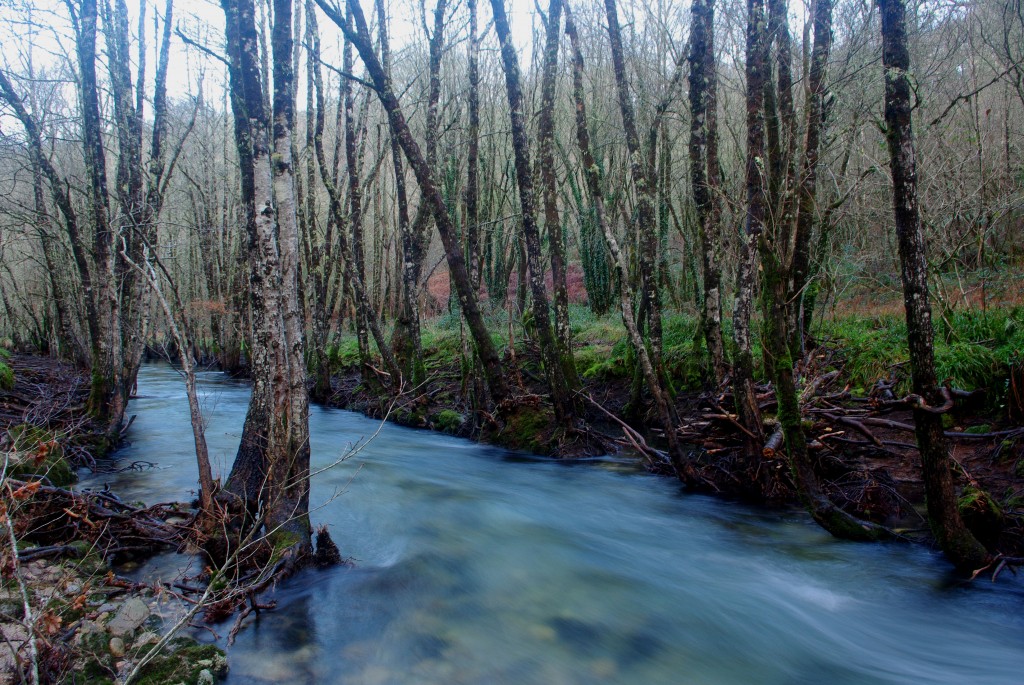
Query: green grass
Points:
[6, 377]
[973, 351]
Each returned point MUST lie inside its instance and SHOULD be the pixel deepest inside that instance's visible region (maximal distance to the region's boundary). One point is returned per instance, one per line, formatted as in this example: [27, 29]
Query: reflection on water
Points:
[476, 566]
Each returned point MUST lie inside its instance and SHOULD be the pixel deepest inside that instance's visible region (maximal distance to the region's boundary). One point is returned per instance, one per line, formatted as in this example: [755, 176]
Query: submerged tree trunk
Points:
[962, 548]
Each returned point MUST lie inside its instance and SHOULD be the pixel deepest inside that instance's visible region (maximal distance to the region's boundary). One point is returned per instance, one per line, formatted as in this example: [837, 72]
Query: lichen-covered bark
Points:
[704, 174]
[962, 548]
[743, 363]
[272, 464]
[473, 255]
[807, 190]
[650, 292]
[107, 398]
[549, 186]
[561, 395]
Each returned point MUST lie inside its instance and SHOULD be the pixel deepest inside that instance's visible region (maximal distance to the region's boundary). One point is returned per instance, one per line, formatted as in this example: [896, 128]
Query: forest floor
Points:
[853, 378]
[59, 594]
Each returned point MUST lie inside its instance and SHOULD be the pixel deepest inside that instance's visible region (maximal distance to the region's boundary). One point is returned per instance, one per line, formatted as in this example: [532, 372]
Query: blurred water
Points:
[476, 565]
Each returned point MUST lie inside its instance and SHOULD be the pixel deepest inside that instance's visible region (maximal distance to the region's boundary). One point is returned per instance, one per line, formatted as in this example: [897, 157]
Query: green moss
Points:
[6, 377]
[183, 663]
[527, 428]
[449, 421]
[38, 453]
[982, 515]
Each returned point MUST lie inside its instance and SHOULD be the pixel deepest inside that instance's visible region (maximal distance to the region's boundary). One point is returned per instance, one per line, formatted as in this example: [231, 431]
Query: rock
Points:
[205, 678]
[146, 638]
[132, 614]
[116, 647]
[107, 607]
[217, 665]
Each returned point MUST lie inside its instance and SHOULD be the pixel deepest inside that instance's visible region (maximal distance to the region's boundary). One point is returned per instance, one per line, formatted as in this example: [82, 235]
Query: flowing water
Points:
[476, 565]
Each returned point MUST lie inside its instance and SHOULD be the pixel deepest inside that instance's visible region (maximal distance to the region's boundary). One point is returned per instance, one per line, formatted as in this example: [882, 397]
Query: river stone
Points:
[217, 665]
[117, 647]
[132, 614]
[147, 638]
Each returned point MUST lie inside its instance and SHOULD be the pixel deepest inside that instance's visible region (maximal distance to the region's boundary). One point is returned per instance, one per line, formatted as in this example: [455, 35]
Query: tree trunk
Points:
[355, 217]
[663, 403]
[360, 37]
[962, 548]
[406, 340]
[552, 221]
[704, 173]
[272, 465]
[561, 394]
[107, 397]
[743, 367]
[646, 225]
[473, 255]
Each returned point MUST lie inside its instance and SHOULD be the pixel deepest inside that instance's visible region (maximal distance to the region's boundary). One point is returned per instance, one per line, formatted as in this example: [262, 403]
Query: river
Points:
[477, 565]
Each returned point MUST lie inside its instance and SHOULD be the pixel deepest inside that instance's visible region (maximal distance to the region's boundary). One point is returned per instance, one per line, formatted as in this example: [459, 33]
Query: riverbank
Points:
[861, 435]
[64, 611]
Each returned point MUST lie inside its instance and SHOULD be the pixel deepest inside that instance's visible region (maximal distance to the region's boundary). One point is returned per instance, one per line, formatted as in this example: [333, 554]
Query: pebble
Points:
[132, 614]
[117, 647]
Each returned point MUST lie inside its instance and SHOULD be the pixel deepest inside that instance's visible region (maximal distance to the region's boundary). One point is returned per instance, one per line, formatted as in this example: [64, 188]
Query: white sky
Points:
[40, 29]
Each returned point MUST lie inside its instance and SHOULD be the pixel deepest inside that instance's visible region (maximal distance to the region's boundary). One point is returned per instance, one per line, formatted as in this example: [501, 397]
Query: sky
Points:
[44, 25]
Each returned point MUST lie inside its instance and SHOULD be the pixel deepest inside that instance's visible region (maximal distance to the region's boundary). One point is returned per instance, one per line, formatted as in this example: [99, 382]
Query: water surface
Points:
[475, 565]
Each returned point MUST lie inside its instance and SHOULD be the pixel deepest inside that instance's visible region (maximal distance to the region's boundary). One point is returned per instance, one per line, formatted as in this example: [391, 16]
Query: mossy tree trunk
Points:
[959, 544]
[745, 399]
[561, 393]
[704, 175]
[271, 469]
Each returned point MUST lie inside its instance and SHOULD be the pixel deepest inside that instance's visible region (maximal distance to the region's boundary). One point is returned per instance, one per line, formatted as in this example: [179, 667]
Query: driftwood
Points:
[54, 517]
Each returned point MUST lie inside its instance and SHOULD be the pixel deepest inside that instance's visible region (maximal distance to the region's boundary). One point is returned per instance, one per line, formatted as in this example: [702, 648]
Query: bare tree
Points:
[272, 465]
[358, 33]
[959, 544]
